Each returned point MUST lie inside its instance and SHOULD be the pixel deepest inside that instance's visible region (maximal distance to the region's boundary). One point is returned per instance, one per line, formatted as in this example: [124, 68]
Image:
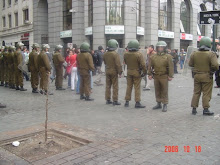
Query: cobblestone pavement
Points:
[132, 136]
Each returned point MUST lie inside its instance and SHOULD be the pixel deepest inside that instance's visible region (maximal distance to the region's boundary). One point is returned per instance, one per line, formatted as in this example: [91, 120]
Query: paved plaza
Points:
[119, 135]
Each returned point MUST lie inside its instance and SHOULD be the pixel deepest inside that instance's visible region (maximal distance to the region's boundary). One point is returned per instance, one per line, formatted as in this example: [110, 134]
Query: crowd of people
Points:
[80, 64]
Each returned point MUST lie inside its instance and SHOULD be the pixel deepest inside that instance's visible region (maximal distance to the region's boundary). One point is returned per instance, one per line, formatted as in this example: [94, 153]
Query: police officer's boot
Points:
[194, 112]
[35, 90]
[138, 105]
[13, 87]
[127, 104]
[108, 102]
[82, 97]
[23, 89]
[6, 84]
[17, 88]
[88, 98]
[2, 106]
[164, 108]
[207, 112]
[116, 103]
[2, 84]
[158, 106]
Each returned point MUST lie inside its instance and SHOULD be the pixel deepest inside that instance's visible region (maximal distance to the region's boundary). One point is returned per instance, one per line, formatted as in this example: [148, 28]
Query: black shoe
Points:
[108, 102]
[207, 112]
[82, 97]
[23, 89]
[35, 91]
[2, 84]
[41, 92]
[218, 94]
[88, 98]
[164, 108]
[17, 88]
[6, 85]
[138, 105]
[158, 106]
[194, 112]
[2, 106]
[60, 89]
[13, 87]
[127, 104]
[116, 103]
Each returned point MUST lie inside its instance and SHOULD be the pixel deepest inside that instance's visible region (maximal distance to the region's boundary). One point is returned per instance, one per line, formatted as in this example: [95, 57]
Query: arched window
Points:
[114, 12]
[201, 28]
[165, 15]
[185, 16]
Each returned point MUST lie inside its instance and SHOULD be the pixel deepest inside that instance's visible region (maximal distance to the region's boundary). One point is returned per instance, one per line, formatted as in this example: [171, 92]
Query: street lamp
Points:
[213, 27]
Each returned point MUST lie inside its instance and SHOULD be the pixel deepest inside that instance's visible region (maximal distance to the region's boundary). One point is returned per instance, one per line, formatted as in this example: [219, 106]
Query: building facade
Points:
[16, 19]
[70, 22]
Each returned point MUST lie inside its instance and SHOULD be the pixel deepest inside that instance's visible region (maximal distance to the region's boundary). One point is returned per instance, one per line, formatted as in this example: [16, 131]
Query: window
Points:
[16, 1]
[165, 15]
[185, 16]
[9, 21]
[3, 21]
[114, 12]
[67, 15]
[3, 4]
[201, 28]
[9, 3]
[25, 15]
[16, 19]
[138, 12]
[90, 12]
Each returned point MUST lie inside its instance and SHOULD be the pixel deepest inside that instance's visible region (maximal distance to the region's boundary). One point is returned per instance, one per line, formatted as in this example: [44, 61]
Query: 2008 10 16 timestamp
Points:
[185, 148]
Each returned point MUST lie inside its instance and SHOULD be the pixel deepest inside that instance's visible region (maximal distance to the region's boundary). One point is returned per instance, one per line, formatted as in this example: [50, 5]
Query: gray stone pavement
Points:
[131, 136]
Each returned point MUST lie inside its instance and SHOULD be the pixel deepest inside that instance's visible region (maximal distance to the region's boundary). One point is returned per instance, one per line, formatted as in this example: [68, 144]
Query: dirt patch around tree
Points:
[33, 147]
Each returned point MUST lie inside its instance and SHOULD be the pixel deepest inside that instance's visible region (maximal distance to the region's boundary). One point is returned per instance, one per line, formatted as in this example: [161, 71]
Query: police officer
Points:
[85, 65]
[33, 67]
[58, 61]
[136, 69]
[18, 61]
[204, 63]
[6, 69]
[44, 68]
[113, 69]
[2, 67]
[11, 67]
[161, 67]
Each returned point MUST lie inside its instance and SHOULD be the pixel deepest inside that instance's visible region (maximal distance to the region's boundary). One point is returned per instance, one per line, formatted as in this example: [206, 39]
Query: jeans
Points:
[181, 64]
[74, 77]
[69, 80]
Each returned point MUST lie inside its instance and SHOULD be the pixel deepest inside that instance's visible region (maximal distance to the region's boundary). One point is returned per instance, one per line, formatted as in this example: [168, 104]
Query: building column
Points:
[175, 44]
[99, 13]
[130, 21]
[55, 22]
[142, 38]
[78, 34]
[193, 21]
[151, 22]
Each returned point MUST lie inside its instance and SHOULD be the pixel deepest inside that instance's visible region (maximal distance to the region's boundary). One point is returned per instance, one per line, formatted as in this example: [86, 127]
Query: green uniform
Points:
[204, 63]
[85, 65]
[113, 69]
[161, 66]
[33, 66]
[18, 61]
[6, 68]
[2, 68]
[58, 61]
[11, 69]
[135, 65]
[44, 69]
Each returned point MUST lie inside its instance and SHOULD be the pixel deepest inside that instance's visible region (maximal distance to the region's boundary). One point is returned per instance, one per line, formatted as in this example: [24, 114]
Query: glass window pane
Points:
[114, 12]
[185, 15]
[165, 15]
